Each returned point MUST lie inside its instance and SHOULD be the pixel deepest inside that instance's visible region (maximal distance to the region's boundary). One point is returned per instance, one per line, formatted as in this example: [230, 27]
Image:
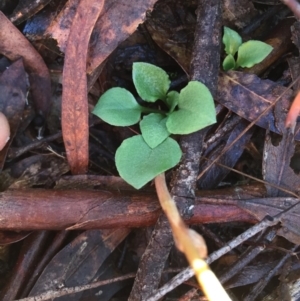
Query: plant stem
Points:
[190, 243]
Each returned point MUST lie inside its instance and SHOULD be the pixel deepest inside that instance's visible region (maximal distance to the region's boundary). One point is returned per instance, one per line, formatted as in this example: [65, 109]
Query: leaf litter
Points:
[242, 98]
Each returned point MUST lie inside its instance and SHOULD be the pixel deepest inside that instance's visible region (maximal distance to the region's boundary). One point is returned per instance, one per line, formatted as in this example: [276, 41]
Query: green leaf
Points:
[196, 110]
[151, 82]
[154, 130]
[138, 164]
[232, 41]
[172, 100]
[252, 52]
[117, 106]
[229, 62]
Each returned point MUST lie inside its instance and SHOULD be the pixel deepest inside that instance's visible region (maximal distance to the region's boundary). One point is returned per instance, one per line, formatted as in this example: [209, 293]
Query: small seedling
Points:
[141, 158]
[144, 157]
[249, 53]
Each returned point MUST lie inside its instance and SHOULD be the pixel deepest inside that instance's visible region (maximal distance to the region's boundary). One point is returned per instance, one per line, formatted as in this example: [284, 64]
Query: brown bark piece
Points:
[14, 45]
[74, 97]
[36, 209]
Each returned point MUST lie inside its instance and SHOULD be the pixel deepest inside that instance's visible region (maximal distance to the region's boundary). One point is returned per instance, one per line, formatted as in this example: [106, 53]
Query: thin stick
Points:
[259, 286]
[256, 179]
[188, 272]
[76, 289]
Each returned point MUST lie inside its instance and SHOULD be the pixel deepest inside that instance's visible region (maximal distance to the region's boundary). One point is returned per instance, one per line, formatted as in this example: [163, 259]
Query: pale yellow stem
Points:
[190, 243]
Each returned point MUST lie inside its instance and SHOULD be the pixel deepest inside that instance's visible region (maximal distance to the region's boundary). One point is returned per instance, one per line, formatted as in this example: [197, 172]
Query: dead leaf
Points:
[217, 173]
[276, 165]
[14, 45]
[280, 39]
[79, 261]
[35, 27]
[33, 171]
[248, 96]
[294, 66]
[272, 207]
[169, 34]
[74, 97]
[277, 170]
[59, 29]
[252, 273]
[25, 266]
[238, 12]
[117, 21]
[26, 9]
[295, 30]
[13, 87]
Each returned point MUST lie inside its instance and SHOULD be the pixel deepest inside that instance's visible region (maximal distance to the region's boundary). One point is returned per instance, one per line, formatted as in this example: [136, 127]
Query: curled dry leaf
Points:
[4, 130]
[74, 97]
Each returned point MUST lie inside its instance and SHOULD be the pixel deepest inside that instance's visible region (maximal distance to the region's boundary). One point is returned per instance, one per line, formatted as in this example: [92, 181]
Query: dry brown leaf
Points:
[118, 20]
[79, 262]
[169, 34]
[277, 170]
[273, 206]
[238, 12]
[276, 166]
[59, 29]
[248, 96]
[74, 97]
[229, 159]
